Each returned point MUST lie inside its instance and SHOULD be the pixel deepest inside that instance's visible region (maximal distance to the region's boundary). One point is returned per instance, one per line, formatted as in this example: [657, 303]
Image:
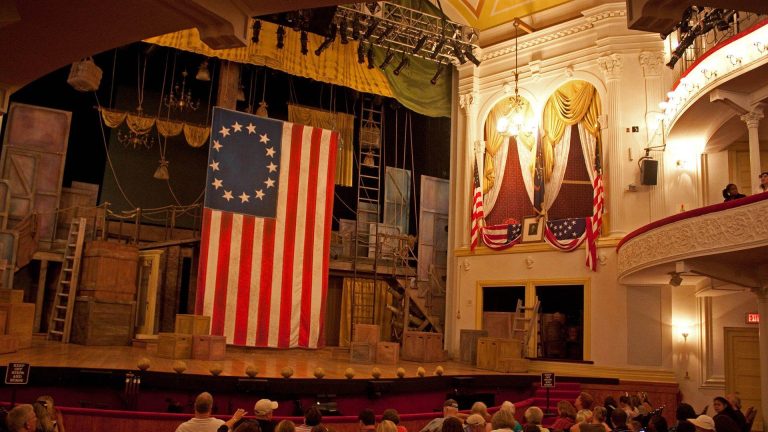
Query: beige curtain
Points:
[112, 118]
[168, 128]
[196, 135]
[365, 296]
[343, 123]
[139, 124]
[574, 102]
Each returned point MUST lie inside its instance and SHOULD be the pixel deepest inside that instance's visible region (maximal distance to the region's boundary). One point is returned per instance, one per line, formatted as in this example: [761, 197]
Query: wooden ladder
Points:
[60, 325]
[522, 326]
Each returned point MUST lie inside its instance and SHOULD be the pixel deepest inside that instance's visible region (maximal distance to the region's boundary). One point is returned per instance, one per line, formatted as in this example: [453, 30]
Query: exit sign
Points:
[753, 318]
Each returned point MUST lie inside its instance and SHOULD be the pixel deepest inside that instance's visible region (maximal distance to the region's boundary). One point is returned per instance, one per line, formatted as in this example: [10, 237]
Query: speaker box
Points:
[648, 171]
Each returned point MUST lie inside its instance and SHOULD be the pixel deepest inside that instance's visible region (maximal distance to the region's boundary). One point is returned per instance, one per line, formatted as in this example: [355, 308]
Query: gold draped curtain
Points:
[573, 102]
[196, 136]
[364, 291]
[494, 139]
[337, 65]
[340, 122]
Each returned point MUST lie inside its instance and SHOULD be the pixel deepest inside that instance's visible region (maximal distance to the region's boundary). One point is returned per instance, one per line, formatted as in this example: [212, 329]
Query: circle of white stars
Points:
[271, 167]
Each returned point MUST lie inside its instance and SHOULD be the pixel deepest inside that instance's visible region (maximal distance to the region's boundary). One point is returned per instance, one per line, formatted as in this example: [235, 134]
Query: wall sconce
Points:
[735, 61]
[681, 164]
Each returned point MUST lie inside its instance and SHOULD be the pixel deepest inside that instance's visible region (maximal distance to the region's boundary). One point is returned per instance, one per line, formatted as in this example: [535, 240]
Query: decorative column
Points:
[468, 104]
[611, 65]
[762, 309]
[752, 119]
[651, 63]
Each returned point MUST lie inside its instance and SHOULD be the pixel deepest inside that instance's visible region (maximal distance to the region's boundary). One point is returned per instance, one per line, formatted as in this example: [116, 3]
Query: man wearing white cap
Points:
[263, 413]
[703, 423]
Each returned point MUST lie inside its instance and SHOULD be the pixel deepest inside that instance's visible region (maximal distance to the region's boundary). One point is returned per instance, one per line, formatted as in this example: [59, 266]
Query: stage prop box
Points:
[19, 318]
[369, 333]
[102, 323]
[491, 351]
[362, 352]
[174, 346]
[468, 345]
[11, 296]
[387, 352]
[422, 346]
[208, 347]
[109, 271]
[192, 324]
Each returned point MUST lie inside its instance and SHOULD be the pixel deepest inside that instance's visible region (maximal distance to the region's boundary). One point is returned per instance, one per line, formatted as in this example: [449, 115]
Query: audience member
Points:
[285, 426]
[481, 409]
[203, 421]
[731, 192]
[703, 423]
[619, 420]
[503, 420]
[475, 423]
[686, 426]
[610, 404]
[509, 406]
[764, 181]
[723, 408]
[723, 423]
[682, 414]
[566, 414]
[452, 424]
[57, 420]
[450, 409]
[44, 423]
[625, 403]
[530, 428]
[262, 411]
[367, 420]
[312, 418]
[735, 401]
[393, 416]
[248, 426]
[583, 416]
[599, 415]
[657, 423]
[635, 426]
[534, 415]
[21, 418]
[386, 426]
[584, 401]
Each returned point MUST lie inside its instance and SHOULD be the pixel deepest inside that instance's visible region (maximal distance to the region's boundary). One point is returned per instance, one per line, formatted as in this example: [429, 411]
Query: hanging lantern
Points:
[84, 76]
[161, 173]
[262, 109]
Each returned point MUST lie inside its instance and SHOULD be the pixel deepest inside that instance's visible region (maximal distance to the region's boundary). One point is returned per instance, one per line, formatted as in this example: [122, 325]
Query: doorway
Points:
[742, 368]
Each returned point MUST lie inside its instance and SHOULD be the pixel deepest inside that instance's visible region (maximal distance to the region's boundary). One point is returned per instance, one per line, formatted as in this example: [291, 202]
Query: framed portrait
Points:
[533, 229]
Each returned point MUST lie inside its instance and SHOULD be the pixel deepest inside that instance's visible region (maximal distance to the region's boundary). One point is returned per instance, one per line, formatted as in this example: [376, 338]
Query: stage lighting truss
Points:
[408, 31]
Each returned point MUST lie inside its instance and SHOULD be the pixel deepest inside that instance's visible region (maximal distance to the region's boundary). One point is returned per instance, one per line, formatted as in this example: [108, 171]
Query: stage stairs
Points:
[563, 391]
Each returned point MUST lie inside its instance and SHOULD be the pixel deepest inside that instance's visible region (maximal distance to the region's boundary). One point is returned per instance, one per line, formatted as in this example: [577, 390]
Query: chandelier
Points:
[130, 138]
[513, 123]
[180, 98]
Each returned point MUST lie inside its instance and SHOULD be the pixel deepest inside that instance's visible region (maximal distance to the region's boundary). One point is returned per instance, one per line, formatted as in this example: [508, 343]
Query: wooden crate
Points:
[387, 352]
[508, 365]
[8, 344]
[422, 346]
[209, 347]
[102, 323]
[109, 271]
[174, 345]
[11, 296]
[368, 333]
[362, 352]
[19, 320]
[498, 324]
[468, 345]
[3, 318]
[491, 350]
[192, 324]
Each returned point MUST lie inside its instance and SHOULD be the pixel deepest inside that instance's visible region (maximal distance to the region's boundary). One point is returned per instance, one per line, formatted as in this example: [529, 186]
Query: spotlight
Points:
[457, 52]
[402, 65]
[385, 34]
[369, 55]
[360, 53]
[329, 38]
[440, 67]
[256, 29]
[387, 59]
[343, 31]
[438, 46]
[371, 28]
[420, 44]
[675, 280]
[304, 42]
[280, 37]
[356, 28]
[471, 56]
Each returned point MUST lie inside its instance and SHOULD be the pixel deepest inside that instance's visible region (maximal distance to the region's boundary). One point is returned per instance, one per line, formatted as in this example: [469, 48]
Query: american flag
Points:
[477, 208]
[567, 229]
[500, 237]
[266, 230]
[596, 221]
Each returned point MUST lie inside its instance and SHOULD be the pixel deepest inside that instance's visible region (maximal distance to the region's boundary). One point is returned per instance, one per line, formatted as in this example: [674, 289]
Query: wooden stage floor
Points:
[269, 362]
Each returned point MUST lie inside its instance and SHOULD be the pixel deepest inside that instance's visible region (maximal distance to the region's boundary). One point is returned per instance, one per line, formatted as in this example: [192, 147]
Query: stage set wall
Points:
[633, 329]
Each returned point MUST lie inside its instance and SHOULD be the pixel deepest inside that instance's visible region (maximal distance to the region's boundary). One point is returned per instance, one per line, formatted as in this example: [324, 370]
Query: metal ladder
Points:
[60, 325]
[368, 207]
[522, 326]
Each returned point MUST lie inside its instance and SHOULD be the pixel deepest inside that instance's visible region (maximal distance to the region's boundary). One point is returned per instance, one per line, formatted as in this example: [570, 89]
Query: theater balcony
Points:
[727, 242]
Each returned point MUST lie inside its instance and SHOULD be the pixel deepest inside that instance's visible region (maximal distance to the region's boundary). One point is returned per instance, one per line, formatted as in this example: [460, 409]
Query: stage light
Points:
[385, 34]
[457, 52]
[329, 38]
[280, 37]
[438, 46]
[343, 31]
[360, 53]
[471, 56]
[304, 42]
[440, 67]
[420, 44]
[256, 30]
[387, 59]
[371, 28]
[369, 55]
[402, 65]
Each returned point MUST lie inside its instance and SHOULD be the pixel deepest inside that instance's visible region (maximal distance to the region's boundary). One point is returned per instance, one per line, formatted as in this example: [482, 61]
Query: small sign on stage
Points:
[17, 373]
[548, 380]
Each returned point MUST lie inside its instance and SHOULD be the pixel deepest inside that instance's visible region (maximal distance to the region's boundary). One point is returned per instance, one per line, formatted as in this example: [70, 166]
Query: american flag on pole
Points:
[477, 208]
[266, 230]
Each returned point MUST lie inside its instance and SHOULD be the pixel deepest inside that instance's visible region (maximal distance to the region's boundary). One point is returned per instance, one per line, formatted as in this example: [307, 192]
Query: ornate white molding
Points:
[587, 24]
[752, 119]
[728, 230]
[651, 63]
[610, 65]
[467, 101]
